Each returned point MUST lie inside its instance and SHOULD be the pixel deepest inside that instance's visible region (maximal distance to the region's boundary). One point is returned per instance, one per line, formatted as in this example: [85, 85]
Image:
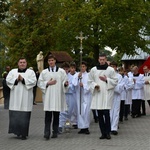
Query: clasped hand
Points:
[66, 83]
[20, 78]
[51, 82]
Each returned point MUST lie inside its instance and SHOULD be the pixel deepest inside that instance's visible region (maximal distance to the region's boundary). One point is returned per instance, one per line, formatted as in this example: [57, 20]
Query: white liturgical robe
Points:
[21, 95]
[129, 86]
[83, 96]
[138, 89]
[102, 98]
[53, 95]
[147, 87]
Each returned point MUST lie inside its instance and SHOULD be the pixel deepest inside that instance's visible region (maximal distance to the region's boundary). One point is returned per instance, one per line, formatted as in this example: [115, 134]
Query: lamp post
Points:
[81, 37]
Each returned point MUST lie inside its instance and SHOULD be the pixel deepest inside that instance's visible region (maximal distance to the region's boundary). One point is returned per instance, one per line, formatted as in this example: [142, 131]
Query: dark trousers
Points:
[148, 102]
[136, 106]
[143, 107]
[104, 121]
[94, 114]
[121, 110]
[34, 93]
[48, 122]
[126, 110]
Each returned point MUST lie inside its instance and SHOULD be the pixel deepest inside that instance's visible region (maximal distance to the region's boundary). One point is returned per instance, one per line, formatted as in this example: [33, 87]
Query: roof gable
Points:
[61, 56]
[139, 56]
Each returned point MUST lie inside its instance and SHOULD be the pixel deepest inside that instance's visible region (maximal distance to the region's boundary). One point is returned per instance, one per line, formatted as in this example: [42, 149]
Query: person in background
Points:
[123, 94]
[7, 69]
[35, 87]
[64, 115]
[6, 89]
[73, 102]
[137, 92]
[146, 88]
[128, 102]
[114, 112]
[21, 82]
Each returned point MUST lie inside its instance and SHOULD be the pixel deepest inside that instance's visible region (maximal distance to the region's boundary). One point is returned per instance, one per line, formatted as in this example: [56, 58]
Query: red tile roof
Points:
[61, 56]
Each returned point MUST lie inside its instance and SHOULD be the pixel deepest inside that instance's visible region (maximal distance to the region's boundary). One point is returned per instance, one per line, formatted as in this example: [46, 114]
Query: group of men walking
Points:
[69, 96]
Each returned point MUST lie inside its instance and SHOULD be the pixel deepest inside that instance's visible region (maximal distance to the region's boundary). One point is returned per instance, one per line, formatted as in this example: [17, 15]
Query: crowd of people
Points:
[111, 93]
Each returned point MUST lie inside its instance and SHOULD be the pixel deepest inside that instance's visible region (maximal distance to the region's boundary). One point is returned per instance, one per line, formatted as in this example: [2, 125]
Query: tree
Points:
[106, 22]
[36, 25]
[4, 6]
[30, 29]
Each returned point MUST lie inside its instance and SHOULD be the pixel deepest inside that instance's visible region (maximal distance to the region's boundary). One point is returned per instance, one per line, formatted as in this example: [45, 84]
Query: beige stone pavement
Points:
[134, 134]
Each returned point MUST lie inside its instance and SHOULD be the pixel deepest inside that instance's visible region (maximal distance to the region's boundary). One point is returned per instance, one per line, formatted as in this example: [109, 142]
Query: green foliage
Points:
[45, 25]
[4, 6]
[30, 29]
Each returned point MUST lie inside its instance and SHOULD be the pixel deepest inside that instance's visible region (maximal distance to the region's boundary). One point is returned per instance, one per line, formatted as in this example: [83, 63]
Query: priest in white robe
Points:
[54, 83]
[102, 81]
[21, 82]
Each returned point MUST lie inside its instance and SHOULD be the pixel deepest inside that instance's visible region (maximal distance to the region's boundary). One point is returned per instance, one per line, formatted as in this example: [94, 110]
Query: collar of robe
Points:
[122, 75]
[146, 74]
[136, 75]
[22, 70]
[102, 67]
[56, 69]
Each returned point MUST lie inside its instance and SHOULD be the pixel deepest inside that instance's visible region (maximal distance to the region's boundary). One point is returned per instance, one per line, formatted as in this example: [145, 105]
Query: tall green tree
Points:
[105, 22]
[36, 25]
[30, 28]
[4, 6]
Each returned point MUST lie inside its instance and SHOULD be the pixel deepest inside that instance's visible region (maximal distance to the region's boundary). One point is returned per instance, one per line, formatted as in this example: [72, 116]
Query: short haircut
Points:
[114, 63]
[84, 63]
[65, 65]
[51, 56]
[22, 58]
[102, 55]
[135, 68]
[73, 64]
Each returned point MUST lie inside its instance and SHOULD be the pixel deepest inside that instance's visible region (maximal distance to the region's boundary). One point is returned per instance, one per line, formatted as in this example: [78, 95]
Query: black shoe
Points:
[137, 116]
[46, 137]
[82, 131]
[143, 114]
[23, 138]
[126, 118]
[87, 131]
[114, 132]
[54, 136]
[34, 103]
[108, 137]
[103, 137]
[121, 122]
